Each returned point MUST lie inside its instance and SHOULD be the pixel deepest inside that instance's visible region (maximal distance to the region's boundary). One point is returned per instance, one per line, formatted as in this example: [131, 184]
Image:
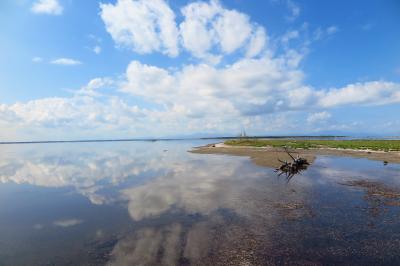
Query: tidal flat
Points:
[155, 203]
[266, 152]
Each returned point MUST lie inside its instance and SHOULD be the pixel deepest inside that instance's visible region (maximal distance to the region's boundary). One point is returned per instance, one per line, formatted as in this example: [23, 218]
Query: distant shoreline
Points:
[198, 138]
[268, 156]
[158, 139]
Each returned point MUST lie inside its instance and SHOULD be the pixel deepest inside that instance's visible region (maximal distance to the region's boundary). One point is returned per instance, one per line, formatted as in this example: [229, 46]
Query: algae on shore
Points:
[357, 144]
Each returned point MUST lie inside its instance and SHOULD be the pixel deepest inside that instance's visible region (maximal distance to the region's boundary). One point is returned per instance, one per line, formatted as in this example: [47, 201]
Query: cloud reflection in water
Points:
[186, 208]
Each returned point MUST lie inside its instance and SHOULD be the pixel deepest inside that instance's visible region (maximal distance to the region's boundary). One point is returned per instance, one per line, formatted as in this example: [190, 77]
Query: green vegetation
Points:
[376, 145]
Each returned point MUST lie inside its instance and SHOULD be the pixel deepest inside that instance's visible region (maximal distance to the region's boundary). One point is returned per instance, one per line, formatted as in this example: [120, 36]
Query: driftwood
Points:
[297, 165]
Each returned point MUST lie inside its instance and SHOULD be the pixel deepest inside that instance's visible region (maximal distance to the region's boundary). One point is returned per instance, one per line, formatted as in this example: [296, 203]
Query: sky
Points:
[73, 69]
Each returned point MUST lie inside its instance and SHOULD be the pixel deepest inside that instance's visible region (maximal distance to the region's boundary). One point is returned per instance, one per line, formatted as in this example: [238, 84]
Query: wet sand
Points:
[268, 156]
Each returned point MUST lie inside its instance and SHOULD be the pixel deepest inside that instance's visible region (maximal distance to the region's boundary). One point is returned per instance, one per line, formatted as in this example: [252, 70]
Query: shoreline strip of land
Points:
[267, 152]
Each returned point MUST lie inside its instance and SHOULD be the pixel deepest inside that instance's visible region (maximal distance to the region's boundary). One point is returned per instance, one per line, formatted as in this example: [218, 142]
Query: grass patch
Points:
[376, 145]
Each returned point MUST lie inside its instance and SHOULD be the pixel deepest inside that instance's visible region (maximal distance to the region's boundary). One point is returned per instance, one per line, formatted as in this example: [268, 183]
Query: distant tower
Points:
[243, 134]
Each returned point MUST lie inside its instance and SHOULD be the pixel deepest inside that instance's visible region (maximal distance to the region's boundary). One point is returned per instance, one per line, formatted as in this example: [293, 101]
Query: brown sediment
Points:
[378, 195]
[374, 188]
[268, 156]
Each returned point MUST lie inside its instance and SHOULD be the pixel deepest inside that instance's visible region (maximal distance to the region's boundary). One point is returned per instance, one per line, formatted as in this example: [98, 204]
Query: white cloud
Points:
[258, 88]
[294, 10]
[288, 36]
[233, 29]
[37, 59]
[253, 92]
[86, 110]
[332, 29]
[257, 42]
[144, 26]
[248, 86]
[51, 7]
[210, 30]
[93, 87]
[367, 93]
[256, 93]
[321, 33]
[66, 62]
[149, 81]
[59, 61]
[67, 222]
[97, 49]
[79, 112]
[197, 36]
[318, 117]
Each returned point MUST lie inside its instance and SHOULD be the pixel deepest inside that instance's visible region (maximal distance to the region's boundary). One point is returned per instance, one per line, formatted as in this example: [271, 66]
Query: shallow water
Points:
[153, 203]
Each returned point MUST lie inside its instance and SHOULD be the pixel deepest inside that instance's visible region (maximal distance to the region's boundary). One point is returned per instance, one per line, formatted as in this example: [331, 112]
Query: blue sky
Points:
[135, 68]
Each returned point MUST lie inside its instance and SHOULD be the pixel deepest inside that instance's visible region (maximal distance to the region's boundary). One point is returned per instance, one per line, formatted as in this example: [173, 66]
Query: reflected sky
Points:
[153, 203]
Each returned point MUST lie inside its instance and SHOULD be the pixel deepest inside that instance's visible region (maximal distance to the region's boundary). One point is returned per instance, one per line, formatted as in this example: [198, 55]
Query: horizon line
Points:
[164, 139]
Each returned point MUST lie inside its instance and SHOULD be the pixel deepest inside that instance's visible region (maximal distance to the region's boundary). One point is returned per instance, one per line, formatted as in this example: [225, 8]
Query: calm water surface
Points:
[153, 203]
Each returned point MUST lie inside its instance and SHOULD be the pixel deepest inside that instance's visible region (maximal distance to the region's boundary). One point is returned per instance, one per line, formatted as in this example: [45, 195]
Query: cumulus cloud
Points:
[233, 29]
[367, 93]
[318, 117]
[142, 25]
[258, 87]
[255, 93]
[196, 34]
[249, 86]
[93, 87]
[209, 25]
[83, 111]
[208, 30]
[257, 42]
[50, 7]
[66, 62]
